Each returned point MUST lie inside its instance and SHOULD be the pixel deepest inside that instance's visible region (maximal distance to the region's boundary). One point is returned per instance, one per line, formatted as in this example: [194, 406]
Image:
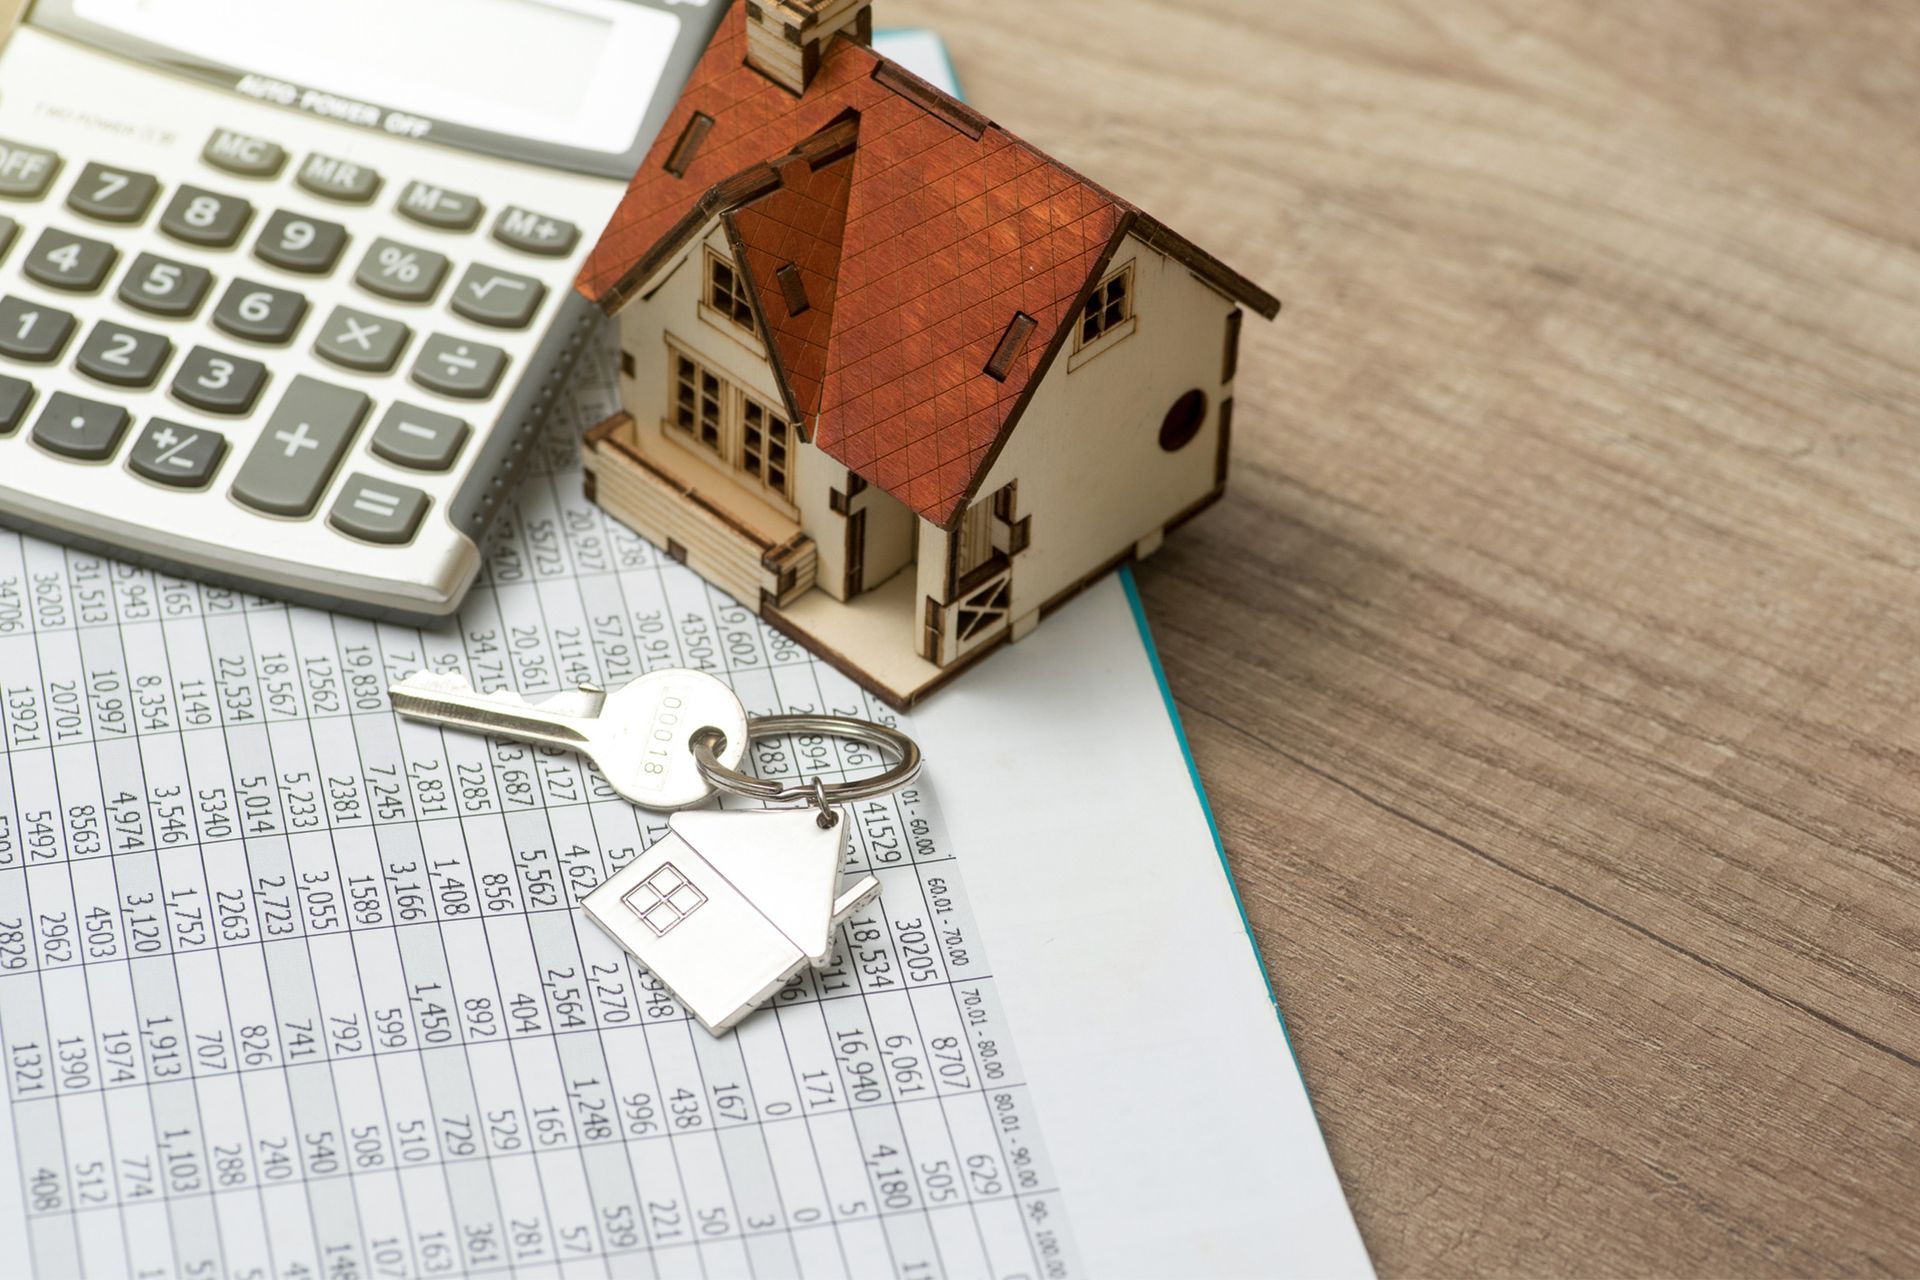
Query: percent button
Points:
[401, 272]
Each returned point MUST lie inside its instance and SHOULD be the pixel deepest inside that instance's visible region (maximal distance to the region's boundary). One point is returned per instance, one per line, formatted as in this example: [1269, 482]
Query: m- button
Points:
[300, 448]
[244, 154]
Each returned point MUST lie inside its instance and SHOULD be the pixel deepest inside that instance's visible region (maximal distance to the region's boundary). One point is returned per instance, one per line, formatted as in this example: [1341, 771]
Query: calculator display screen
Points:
[572, 74]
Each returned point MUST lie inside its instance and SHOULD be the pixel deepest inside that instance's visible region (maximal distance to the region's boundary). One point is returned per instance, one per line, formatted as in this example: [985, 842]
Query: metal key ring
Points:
[822, 794]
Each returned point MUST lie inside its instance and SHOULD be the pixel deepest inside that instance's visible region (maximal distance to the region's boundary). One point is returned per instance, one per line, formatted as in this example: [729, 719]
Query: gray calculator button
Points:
[419, 438]
[26, 172]
[202, 217]
[8, 230]
[84, 429]
[401, 272]
[300, 447]
[294, 242]
[259, 312]
[244, 154]
[532, 232]
[377, 510]
[217, 382]
[458, 368]
[338, 179]
[31, 332]
[432, 206]
[60, 260]
[488, 295]
[162, 287]
[122, 356]
[176, 454]
[355, 340]
[112, 195]
[16, 397]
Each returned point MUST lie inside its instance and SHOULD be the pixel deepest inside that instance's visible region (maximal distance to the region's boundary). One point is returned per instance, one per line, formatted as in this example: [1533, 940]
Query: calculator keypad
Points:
[294, 242]
[216, 382]
[259, 312]
[436, 207]
[112, 195]
[206, 218]
[421, 439]
[26, 172]
[355, 340]
[244, 155]
[377, 510]
[33, 333]
[8, 230]
[78, 264]
[173, 453]
[536, 233]
[162, 287]
[490, 296]
[335, 179]
[16, 397]
[79, 428]
[458, 368]
[401, 272]
[123, 357]
[300, 447]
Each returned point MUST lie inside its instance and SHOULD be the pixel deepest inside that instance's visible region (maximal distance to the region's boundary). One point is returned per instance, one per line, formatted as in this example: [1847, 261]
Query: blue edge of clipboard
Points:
[1166, 696]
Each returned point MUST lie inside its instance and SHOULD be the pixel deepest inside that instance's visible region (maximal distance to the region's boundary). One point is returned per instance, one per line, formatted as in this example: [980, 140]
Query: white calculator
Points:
[286, 285]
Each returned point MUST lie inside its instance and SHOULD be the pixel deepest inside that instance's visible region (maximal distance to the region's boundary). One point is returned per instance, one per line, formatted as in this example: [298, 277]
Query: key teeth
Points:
[433, 682]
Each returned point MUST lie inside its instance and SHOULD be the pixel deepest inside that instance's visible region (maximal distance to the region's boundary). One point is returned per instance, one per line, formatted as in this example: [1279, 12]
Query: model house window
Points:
[764, 441]
[727, 291]
[1109, 307]
[699, 402]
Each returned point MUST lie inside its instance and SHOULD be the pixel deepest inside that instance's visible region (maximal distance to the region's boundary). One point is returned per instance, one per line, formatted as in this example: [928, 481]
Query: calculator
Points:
[286, 286]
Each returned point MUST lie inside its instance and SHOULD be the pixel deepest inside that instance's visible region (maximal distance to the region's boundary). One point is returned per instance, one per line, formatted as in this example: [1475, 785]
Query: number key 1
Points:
[295, 243]
[31, 332]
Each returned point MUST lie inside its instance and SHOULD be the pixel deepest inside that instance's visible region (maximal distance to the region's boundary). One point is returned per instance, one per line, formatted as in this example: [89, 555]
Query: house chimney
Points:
[785, 38]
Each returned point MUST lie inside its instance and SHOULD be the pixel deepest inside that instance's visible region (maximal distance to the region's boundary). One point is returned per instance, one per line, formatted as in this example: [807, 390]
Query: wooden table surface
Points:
[1552, 663]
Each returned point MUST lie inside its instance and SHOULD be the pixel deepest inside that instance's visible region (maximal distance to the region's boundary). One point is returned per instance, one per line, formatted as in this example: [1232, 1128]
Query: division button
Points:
[16, 397]
[206, 218]
[83, 429]
[356, 340]
[432, 206]
[31, 332]
[401, 272]
[293, 242]
[113, 195]
[217, 382]
[487, 295]
[259, 312]
[243, 154]
[410, 436]
[122, 356]
[457, 368]
[60, 260]
[300, 447]
[377, 510]
[532, 232]
[162, 287]
[337, 179]
[26, 172]
[172, 453]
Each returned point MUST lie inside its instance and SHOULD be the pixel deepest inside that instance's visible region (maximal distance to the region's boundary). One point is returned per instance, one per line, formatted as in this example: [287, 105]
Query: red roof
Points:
[914, 251]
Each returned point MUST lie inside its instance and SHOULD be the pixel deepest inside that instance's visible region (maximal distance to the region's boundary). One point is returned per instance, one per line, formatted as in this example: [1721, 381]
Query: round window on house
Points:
[1183, 421]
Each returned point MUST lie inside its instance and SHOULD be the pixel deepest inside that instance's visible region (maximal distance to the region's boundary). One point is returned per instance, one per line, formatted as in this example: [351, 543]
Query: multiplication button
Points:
[172, 453]
[355, 340]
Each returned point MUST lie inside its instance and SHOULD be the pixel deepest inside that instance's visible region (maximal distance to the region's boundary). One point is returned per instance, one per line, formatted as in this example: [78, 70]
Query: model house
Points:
[890, 375]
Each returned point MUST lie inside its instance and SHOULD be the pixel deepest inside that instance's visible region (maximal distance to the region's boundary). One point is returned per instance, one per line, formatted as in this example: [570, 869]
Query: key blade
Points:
[449, 701]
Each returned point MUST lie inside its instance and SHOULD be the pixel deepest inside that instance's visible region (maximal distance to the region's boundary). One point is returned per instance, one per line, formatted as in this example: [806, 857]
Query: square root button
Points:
[377, 511]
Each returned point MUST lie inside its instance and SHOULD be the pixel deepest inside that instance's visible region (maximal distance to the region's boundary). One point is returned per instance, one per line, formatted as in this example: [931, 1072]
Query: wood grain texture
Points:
[1552, 664]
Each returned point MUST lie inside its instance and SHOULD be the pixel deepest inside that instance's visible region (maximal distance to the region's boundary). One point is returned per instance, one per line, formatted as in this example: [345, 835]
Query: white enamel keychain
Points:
[730, 903]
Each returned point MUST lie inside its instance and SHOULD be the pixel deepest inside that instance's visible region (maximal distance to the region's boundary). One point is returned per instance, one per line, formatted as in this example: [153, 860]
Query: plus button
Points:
[296, 440]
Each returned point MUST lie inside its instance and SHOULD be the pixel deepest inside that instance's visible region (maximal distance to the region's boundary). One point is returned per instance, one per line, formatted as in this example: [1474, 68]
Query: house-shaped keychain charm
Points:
[729, 904]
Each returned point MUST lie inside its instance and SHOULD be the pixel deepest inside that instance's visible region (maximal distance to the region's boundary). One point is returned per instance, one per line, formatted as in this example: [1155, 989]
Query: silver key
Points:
[638, 735]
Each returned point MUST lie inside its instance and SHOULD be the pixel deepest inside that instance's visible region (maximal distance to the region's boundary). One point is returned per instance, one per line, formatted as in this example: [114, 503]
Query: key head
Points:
[642, 738]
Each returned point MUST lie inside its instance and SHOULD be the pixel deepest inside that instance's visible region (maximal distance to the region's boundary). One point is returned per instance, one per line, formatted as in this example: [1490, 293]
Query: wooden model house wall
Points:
[889, 374]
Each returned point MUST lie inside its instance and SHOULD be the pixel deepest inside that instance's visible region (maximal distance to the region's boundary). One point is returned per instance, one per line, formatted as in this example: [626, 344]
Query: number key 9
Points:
[294, 242]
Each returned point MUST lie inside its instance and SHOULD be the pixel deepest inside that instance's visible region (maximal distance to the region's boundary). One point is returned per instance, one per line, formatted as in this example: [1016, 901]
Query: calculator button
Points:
[125, 357]
[202, 217]
[300, 447]
[8, 230]
[356, 340]
[176, 454]
[432, 206]
[31, 332]
[243, 154]
[455, 367]
[26, 172]
[16, 397]
[377, 510]
[293, 242]
[419, 438]
[84, 429]
[531, 232]
[63, 261]
[113, 195]
[217, 382]
[487, 295]
[162, 287]
[401, 272]
[338, 179]
[259, 312]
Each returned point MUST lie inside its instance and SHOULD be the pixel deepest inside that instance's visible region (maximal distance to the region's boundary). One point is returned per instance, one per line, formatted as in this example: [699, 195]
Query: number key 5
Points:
[162, 287]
